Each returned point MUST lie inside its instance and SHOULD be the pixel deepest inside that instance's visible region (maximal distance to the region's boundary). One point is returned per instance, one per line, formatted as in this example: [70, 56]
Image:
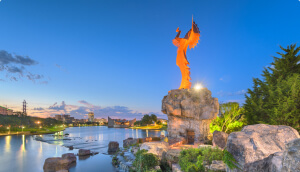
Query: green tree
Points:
[153, 117]
[231, 118]
[274, 99]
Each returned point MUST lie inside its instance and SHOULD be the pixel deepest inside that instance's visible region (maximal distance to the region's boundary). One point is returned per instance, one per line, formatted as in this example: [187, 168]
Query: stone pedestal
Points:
[189, 113]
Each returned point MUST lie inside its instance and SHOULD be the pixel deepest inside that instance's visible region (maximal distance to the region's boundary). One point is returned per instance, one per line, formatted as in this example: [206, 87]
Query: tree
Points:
[274, 99]
[231, 118]
[147, 119]
[153, 117]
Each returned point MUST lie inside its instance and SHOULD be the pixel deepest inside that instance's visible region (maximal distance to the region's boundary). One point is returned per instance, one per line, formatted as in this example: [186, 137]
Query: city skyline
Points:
[118, 60]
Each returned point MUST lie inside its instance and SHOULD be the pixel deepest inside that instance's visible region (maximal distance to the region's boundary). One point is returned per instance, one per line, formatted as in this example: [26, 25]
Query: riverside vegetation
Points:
[30, 125]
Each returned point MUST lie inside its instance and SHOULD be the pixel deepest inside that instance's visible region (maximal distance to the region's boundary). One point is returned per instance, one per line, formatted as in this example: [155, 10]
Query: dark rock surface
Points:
[220, 139]
[113, 147]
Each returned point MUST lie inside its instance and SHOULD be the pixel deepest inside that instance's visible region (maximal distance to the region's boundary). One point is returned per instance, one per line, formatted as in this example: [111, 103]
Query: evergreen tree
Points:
[275, 98]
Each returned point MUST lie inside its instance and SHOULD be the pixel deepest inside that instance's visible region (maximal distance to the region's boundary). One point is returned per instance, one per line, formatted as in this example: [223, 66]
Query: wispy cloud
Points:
[81, 111]
[15, 66]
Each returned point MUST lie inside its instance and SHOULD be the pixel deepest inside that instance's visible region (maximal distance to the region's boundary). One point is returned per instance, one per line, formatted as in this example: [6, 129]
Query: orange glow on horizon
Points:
[190, 40]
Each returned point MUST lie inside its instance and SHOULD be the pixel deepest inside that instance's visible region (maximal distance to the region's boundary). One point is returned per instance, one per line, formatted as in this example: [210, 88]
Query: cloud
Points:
[15, 67]
[38, 108]
[58, 107]
[84, 103]
[34, 77]
[61, 68]
[82, 110]
[226, 94]
[13, 78]
[7, 58]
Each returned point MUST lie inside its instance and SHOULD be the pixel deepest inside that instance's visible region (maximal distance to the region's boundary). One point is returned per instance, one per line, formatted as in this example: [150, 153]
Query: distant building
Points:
[91, 117]
[5, 111]
[120, 123]
[65, 118]
[101, 121]
[163, 121]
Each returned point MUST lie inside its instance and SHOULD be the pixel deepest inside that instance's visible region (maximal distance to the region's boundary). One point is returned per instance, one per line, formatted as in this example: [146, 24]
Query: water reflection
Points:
[23, 149]
[7, 143]
[21, 153]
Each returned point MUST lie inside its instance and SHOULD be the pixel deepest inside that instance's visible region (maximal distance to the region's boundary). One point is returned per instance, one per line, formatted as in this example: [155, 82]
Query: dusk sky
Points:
[116, 58]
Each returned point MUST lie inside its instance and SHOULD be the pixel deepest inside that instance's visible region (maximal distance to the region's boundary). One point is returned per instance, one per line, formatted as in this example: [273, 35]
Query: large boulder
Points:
[157, 148]
[189, 113]
[255, 147]
[129, 141]
[113, 147]
[172, 155]
[220, 139]
[291, 157]
[57, 163]
[217, 166]
[69, 156]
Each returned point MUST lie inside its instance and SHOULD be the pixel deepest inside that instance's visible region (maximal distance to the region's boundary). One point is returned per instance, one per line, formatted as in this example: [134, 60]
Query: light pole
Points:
[8, 129]
[22, 128]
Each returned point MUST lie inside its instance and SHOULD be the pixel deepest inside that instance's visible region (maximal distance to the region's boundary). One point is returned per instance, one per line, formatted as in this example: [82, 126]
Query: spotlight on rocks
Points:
[198, 86]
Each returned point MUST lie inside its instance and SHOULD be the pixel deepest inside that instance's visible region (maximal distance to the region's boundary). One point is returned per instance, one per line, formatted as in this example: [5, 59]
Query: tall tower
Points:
[24, 107]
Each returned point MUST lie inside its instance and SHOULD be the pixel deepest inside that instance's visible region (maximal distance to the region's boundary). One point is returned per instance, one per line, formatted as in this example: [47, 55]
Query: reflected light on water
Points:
[100, 137]
[23, 149]
[137, 134]
[7, 143]
[147, 132]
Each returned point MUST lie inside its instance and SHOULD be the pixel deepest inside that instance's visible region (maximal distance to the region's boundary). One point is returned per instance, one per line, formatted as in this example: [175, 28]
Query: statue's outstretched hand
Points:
[177, 30]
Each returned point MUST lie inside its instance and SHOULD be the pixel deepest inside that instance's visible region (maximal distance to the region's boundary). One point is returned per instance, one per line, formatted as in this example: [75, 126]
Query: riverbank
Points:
[35, 131]
[151, 127]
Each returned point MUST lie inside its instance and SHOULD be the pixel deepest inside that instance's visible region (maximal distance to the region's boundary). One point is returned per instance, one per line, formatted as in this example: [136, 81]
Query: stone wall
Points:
[190, 110]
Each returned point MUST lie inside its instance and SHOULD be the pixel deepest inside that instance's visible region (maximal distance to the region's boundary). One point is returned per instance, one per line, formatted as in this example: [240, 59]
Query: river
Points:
[22, 153]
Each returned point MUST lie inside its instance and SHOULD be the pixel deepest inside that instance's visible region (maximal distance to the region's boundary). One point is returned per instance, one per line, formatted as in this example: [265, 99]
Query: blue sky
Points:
[117, 58]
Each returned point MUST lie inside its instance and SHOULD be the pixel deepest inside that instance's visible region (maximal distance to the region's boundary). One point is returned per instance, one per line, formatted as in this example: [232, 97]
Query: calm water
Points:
[24, 154]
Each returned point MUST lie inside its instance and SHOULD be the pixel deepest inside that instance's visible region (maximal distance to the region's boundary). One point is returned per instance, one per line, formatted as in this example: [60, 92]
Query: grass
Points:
[44, 130]
[151, 127]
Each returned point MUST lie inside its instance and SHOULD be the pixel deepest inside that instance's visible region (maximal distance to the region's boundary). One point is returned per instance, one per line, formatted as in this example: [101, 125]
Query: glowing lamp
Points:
[198, 87]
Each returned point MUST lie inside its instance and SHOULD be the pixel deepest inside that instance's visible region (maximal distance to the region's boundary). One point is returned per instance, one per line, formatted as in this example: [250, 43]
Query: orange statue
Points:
[191, 39]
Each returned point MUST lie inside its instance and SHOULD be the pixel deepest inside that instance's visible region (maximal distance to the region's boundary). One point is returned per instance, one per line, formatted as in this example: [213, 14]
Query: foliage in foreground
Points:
[231, 118]
[195, 159]
[145, 161]
[275, 99]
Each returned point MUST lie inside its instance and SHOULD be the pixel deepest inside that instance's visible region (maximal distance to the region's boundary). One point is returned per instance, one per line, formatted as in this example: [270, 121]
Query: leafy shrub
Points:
[192, 159]
[231, 118]
[195, 159]
[145, 161]
[229, 160]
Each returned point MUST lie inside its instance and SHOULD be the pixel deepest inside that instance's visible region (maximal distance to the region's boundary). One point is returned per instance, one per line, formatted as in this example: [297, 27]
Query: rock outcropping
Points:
[291, 157]
[220, 139]
[113, 147]
[59, 163]
[157, 148]
[189, 113]
[257, 147]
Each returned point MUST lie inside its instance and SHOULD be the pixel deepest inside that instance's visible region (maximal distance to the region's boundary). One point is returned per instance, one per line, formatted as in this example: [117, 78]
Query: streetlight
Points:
[8, 129]
[22, 128]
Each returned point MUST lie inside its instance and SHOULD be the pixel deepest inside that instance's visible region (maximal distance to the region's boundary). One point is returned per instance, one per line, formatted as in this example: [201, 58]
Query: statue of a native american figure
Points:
[191, 40]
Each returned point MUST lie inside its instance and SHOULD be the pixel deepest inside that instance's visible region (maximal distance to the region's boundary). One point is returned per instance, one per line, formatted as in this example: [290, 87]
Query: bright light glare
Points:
[198, 87]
